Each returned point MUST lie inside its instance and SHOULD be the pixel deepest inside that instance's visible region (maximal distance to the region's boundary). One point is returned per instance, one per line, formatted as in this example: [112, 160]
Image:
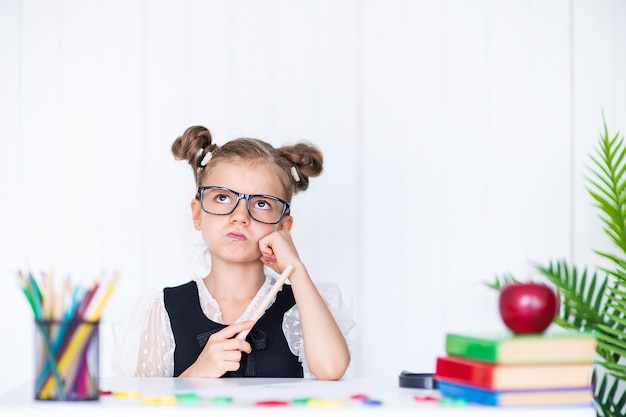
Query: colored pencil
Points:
[80, 336]
[35, 295]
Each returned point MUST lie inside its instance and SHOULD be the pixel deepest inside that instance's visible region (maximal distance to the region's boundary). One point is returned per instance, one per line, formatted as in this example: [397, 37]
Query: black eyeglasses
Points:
[222, 201]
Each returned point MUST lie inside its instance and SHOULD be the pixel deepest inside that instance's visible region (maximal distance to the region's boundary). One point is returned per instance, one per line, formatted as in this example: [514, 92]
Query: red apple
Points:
[527, 307]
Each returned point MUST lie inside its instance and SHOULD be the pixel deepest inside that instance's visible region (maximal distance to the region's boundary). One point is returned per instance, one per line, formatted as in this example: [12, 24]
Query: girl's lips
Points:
[236, 236]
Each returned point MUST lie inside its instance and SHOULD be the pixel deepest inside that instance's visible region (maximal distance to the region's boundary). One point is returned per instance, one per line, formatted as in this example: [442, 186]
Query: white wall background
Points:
[456, 135]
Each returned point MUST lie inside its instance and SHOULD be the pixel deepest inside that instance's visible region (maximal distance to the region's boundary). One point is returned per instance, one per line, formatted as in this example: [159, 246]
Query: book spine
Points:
[468, 394]
[471, 347]
[581, 397]
[475, 373]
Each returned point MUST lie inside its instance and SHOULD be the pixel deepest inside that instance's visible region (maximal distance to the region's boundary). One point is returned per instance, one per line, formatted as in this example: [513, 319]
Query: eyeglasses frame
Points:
[242, 196]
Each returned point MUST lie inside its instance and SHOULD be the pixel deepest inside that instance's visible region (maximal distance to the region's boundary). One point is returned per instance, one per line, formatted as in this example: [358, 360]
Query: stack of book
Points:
[504, 370]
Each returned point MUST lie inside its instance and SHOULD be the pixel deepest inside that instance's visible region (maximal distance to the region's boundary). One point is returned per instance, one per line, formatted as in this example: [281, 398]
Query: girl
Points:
[242, 209]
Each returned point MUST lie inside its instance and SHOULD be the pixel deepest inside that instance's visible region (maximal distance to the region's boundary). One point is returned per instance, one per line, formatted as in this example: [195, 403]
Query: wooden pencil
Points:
[267, 300]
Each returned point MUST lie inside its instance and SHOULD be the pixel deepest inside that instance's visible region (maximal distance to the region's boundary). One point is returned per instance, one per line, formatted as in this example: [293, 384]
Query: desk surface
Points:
[245, 392]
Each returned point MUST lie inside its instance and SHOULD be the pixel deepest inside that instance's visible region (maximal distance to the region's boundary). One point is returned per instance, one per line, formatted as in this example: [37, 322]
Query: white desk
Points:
[246, 391]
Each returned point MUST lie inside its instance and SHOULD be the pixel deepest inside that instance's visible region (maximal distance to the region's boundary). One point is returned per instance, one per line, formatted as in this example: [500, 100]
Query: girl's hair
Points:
[294, 163]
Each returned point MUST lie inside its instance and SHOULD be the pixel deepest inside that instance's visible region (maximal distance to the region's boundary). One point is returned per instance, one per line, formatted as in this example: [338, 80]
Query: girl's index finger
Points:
[233, 329]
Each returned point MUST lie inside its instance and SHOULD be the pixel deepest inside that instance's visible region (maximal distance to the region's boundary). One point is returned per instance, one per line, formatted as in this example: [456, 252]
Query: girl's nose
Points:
[240, 214]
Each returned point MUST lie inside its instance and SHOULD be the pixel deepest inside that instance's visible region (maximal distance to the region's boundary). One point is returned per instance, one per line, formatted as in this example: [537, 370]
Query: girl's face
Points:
[235, 237]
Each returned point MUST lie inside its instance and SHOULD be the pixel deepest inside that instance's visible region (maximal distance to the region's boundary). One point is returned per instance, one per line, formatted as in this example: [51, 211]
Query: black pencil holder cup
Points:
[67, 360]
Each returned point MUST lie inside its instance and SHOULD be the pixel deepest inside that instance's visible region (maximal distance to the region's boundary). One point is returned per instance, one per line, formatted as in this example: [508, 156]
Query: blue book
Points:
[578, 396]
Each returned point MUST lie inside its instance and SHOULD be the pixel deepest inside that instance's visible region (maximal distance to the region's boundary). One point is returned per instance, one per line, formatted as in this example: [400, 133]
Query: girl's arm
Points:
[325, 347]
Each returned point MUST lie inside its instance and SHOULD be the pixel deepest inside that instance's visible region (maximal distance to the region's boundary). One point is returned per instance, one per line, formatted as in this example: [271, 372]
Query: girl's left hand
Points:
[278, 250]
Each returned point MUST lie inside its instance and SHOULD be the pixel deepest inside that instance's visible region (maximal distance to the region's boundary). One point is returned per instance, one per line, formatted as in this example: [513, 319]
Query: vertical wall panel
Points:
[466, 161]
[292, 72]
[39, 150]
[597, 50]
[39, 128]
[547, 134]
[250, 92]
[78, 214]
[14, 309]
[9, 142]
[327, 212]
[619, 36]
[401, 178]
[379, 194]
[163, 215]
[120, 155]
[208, 50]
[418, 217]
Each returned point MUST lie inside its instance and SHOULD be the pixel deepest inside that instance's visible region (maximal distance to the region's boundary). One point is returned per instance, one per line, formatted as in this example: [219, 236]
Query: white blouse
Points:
[145, 345]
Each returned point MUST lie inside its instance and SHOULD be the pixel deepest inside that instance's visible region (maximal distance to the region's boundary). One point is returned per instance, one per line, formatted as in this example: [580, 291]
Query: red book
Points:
[495, 376]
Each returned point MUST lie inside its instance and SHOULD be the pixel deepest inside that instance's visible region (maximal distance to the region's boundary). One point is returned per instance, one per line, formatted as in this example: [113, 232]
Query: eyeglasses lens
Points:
[265, 209]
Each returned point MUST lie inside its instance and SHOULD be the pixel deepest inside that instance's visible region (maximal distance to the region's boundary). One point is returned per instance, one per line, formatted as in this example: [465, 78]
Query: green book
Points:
[509, 348]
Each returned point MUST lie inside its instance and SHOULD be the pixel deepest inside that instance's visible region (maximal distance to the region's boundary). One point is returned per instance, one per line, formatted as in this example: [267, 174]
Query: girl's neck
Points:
[234, 281]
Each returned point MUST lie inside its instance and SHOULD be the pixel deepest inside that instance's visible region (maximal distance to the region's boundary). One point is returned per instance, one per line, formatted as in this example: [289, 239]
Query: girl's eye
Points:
[262, 205]
[222, 198]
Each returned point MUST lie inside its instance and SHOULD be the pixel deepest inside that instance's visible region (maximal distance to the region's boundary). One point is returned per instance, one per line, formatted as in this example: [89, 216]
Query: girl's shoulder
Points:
[331, 293]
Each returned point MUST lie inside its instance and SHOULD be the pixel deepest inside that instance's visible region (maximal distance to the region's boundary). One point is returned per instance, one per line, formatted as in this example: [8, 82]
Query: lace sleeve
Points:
[145, 345]
[291, 323]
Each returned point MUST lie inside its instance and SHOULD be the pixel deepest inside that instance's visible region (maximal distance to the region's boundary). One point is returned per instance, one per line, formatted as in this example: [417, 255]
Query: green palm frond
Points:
[581, 299]
[611, 334]
[500, 282]
[619, 265]
[608, 186]
[606, 393]
[614, 370]
[592, 305]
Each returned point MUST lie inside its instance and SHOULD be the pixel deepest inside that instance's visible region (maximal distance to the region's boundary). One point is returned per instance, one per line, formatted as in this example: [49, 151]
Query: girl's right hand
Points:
[221, 354]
